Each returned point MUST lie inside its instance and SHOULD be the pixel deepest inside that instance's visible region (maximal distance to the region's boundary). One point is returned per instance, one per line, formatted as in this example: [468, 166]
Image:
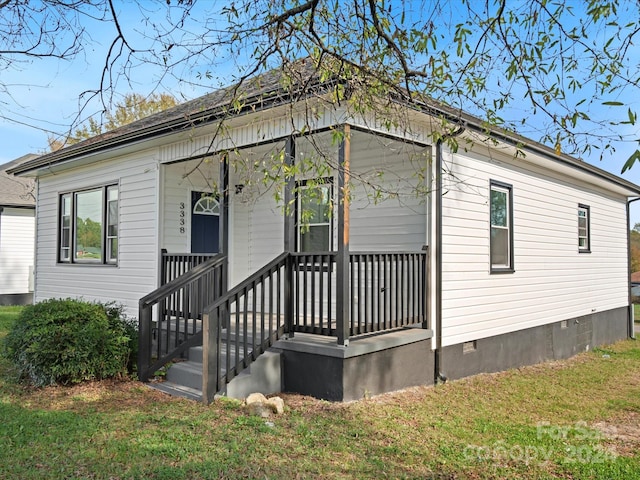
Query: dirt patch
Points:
[622, 433]
[105, 395]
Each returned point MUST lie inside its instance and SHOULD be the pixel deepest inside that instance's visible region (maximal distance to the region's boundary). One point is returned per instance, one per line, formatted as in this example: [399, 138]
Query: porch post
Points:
[223, 230]
[289, 233]
[343, 315]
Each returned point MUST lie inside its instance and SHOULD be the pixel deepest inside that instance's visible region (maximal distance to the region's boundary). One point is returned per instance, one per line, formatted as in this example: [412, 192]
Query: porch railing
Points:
[243, 323]
[175, 264]
[178, 323]
[296, 292]
[387, 291]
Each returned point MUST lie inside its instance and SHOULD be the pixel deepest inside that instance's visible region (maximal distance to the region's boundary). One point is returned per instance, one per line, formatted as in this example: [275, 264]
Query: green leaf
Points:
[635, 156]
[613, 104]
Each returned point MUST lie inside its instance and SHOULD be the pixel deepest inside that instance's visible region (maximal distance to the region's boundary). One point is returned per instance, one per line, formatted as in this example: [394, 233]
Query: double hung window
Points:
[88, 226]
[584, 233]
[501, 218]
[314, 215]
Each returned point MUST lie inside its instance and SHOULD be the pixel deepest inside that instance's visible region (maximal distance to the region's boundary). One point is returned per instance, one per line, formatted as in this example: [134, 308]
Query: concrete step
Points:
[187, 374]
[178, 390]
[195, 354]
[264, 376]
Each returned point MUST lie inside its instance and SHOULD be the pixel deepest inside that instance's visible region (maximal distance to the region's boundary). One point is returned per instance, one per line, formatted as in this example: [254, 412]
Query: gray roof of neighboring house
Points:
[266, 90]
[16, 191]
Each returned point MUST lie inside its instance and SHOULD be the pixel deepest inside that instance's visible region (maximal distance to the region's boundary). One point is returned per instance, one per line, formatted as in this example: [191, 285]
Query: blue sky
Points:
[44, 99]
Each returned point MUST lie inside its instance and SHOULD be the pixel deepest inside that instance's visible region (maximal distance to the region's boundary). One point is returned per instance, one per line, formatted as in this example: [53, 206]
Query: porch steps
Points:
[184, 379]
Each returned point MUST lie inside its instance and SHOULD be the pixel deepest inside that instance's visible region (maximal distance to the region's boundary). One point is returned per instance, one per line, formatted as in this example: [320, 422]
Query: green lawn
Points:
[636, 312]
[578, 419]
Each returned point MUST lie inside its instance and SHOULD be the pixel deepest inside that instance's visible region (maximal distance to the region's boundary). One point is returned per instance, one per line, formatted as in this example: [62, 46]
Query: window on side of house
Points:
[501, 218]
[88, 226]
[584, 229]
[314, 215]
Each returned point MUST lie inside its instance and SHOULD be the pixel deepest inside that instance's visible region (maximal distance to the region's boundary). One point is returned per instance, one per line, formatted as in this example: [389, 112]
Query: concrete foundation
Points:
[555, 341]
[317, 366]
[16, 298]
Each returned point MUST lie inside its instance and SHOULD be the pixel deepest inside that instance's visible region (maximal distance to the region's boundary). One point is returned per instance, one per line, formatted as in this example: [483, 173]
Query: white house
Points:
[17, 230]
[398, 260]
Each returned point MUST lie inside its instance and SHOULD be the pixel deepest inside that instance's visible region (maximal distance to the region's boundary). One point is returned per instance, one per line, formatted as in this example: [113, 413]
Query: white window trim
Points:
[305, 184]
[587, 215]
[508, 190]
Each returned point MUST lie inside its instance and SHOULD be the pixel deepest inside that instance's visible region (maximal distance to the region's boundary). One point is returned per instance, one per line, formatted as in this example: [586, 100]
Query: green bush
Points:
[70, 341]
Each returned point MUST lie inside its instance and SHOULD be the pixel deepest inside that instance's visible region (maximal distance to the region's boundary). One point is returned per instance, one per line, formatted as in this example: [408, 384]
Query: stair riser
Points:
[264, 375]
[195, 354]
[185, 374]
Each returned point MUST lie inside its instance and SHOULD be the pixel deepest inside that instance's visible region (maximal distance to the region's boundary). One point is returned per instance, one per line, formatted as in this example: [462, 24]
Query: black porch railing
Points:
[175, 264]
[387, 290]
[296, 292]
[178, 323]
[243, 323]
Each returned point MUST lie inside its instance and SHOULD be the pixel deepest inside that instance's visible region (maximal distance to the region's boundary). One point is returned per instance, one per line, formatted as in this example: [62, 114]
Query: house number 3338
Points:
[181, 216]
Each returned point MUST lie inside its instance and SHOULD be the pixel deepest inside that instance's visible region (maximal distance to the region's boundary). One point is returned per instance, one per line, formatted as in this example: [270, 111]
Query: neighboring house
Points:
[635, 284]
[502, 260]
[17, 229]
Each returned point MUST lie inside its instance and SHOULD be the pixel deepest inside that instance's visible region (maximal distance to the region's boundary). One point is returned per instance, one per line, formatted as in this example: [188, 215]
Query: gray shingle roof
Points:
[16, 191]
[266, 90]
[253, 93]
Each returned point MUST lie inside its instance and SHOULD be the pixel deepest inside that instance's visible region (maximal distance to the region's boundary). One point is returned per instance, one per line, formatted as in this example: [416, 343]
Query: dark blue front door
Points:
[205, 223]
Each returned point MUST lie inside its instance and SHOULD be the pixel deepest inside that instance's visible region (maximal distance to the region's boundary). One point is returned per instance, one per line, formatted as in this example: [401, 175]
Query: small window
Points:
[207, 206]
[501, 218]
[112, 224]
[88, 226]
[584, 229]
[65, 227]
[314, 216]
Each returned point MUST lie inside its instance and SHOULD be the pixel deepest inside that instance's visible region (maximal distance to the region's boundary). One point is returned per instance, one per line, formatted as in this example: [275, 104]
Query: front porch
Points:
[346, 323]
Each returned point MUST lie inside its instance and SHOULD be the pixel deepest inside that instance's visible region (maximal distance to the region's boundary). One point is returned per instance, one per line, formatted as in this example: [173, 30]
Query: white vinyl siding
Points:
[136, 274]
[396, 220]
[16, 249]
[552, 281]
[179, 180]
[256, 221]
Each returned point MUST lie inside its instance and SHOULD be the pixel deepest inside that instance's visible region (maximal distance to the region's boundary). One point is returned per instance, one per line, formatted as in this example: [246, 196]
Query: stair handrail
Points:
[145, 305]
[171, 286]
[213, 380]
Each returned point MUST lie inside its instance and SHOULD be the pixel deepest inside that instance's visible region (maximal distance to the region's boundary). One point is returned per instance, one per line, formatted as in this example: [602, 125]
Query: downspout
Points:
[439, 376]
[631, 331]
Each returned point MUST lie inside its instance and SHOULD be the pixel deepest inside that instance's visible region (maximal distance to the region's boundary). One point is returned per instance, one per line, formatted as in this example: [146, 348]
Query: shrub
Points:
[70, 341]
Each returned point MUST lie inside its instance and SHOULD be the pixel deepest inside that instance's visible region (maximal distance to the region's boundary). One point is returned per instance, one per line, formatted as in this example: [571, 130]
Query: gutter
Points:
[438, 373]
[631, 330]
[477, 125]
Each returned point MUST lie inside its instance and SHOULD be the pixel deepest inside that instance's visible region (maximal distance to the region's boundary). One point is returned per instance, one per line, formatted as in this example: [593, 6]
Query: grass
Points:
[636, 312]
[575, 419]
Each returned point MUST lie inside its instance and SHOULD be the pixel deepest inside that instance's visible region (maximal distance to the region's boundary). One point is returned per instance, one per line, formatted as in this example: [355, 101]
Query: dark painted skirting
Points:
[16, 298]
[315, 365]
[534, 345]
